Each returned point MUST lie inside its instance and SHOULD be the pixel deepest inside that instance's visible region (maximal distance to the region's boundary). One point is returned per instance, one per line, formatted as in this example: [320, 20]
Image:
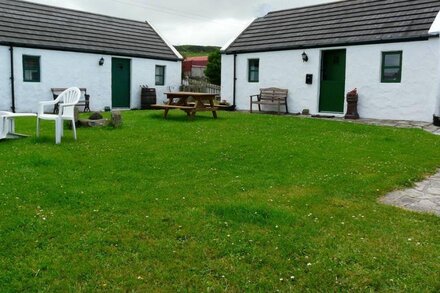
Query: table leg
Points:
[11, 125]
[214, 113]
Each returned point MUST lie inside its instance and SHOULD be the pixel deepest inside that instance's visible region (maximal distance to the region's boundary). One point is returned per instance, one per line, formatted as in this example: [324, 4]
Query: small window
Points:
[254, 70]
[31, 68]
[392, 67]
[160, 75]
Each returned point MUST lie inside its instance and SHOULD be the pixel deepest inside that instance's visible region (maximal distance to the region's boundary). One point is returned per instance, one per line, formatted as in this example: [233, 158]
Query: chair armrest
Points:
[44, 103]
[47, 103]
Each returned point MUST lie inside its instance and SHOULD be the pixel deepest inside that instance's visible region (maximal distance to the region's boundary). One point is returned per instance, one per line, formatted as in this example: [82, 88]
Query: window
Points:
[254, 70]
[392, 67]
[31, 68]
[160, 75]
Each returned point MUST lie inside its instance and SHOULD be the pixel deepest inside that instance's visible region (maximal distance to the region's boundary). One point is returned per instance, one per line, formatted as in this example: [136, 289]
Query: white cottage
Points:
[44, 47]
[388, 49]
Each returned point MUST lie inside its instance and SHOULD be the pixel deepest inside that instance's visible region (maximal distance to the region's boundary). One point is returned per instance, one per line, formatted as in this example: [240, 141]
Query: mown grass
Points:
[245, 202]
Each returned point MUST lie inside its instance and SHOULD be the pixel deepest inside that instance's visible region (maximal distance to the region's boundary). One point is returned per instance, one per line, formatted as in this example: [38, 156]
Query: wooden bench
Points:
[271, 96]
[82, 103]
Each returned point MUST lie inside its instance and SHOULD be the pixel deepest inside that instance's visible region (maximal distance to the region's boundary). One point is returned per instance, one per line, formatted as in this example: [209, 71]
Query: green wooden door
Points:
[332, 93]
[120, 83]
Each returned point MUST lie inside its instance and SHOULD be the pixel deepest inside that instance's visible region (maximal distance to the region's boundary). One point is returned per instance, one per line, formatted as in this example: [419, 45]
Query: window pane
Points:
[392, 60]
[31, 68]
[254, 76]
[391, 74]
[254, 70]
[160, 75]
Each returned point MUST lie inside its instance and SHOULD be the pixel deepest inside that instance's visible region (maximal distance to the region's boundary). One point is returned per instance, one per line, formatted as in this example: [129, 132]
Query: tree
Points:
[213, 69]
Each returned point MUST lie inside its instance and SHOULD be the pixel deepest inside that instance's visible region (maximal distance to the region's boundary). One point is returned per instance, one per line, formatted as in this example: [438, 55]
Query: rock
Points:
[96, 116]
[116, 119]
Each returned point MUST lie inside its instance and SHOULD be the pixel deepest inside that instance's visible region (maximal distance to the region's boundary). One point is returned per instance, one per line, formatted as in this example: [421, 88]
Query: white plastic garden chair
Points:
[67, 101]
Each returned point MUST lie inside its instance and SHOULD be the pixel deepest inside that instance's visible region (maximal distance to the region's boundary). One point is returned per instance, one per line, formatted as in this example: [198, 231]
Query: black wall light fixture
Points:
[101, 62]
[305, 57]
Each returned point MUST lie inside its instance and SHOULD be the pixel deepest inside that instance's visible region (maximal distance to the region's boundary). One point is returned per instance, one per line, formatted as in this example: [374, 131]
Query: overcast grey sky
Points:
[198, 22]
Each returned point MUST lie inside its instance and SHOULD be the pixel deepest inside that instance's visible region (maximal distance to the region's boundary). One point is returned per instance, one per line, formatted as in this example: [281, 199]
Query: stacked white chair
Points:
[67, 101]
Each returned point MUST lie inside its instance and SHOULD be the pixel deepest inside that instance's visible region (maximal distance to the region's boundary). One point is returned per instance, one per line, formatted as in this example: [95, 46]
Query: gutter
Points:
[11, 50]
[90, 51]
[330, 45]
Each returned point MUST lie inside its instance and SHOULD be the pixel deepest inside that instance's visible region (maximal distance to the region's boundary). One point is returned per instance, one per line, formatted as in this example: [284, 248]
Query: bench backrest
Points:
[273, 93]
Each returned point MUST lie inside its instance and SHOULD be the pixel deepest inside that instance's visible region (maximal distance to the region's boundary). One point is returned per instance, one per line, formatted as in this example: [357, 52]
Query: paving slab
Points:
[424, 197]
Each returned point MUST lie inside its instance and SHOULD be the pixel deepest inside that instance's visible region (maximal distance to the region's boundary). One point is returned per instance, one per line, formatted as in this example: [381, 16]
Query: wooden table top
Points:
[185, 94]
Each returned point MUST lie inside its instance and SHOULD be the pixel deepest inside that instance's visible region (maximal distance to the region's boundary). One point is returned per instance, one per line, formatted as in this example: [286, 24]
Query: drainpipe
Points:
[437, 105]
[11, 50]
[235, 80]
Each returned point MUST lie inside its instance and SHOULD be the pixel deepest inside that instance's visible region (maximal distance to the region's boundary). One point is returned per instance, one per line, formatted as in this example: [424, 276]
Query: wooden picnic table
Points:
[203, 102]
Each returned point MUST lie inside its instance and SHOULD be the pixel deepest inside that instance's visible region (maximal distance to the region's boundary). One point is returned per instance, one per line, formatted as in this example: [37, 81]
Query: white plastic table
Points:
[7, 123]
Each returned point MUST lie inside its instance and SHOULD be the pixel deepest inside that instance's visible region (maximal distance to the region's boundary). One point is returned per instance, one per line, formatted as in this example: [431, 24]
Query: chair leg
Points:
[58, 131]
[287, 107]
[74, 129]
[38, 127]
[62, 127]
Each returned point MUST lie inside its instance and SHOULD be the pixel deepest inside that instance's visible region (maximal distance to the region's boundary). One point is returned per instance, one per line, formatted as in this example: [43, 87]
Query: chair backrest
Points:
[69, 96]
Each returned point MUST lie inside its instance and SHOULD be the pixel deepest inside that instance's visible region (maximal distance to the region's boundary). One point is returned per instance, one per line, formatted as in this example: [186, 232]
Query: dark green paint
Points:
[398, 68]
[31, 68]
[332, 93]
[120, 83]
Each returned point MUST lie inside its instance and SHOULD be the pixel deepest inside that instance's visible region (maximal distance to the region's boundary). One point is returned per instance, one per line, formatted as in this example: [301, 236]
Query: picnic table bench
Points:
[270, 96]
[82, 103]
[179, 100]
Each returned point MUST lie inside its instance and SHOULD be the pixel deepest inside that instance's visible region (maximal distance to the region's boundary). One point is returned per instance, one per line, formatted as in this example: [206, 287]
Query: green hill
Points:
[195, 50]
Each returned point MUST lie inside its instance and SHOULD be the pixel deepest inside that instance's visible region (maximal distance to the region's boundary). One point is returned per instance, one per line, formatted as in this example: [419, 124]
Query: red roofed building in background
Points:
[195, 66]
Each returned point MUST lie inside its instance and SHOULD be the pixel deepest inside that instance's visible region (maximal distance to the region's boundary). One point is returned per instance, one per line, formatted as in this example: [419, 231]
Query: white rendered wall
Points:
[413, 99]
[5, 83]
[144, 73]
[65, 69]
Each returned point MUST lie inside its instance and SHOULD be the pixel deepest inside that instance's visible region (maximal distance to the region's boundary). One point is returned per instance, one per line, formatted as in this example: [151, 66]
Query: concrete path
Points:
[401, 124]
[424, 197]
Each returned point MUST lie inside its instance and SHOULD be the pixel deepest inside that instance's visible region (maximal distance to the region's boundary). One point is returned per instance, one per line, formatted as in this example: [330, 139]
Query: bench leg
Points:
[251, 106]
[165, 113]
[287, 108]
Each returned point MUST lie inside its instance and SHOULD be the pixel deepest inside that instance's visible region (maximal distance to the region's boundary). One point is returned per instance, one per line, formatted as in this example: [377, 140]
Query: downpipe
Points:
[12, 78]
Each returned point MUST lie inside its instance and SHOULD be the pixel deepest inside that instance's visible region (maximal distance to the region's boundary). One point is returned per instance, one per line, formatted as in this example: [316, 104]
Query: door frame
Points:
[320, 82]
[129, 81]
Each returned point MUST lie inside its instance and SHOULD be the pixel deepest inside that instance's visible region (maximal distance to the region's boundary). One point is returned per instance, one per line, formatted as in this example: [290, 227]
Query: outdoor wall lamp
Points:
[305, 57]
[101, 62]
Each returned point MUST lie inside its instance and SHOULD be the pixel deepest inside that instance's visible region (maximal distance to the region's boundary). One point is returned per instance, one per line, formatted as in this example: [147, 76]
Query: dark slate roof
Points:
[341, 23]
[40, 26]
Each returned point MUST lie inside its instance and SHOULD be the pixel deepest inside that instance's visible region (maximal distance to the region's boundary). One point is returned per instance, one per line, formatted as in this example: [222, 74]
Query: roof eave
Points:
[78, 50]
[341, 44]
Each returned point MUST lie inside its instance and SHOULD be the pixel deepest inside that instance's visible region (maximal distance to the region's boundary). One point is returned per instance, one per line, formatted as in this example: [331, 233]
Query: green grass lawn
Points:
[245, 202]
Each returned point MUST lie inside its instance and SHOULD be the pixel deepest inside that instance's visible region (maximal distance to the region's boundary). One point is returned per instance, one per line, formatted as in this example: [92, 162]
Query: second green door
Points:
[120, 83]
[332, 93]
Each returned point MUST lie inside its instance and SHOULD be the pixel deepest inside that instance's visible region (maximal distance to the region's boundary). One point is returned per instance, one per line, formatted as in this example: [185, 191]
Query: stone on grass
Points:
[95, 116]
[116, 119]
